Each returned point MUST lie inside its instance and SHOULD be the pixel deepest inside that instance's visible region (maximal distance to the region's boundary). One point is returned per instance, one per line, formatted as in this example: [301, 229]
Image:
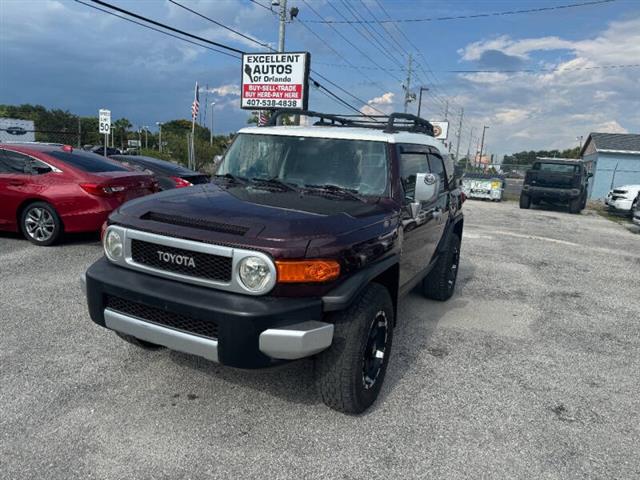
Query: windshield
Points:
[556, 168]
[356, 165]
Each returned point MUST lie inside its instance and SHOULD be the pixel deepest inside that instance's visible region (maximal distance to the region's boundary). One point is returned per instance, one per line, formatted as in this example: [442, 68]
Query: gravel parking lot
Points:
[530, 371]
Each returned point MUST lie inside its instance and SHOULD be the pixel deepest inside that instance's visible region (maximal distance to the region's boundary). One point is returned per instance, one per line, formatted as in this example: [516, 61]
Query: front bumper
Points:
[622, 204]
[551, 193]
[251, 332]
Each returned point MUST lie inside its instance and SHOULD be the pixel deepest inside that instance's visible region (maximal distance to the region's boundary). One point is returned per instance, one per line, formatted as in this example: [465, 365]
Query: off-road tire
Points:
[340, 370]
[575, 205]
[525, 200]
[441, 281]
[139, 343]
[53, 222]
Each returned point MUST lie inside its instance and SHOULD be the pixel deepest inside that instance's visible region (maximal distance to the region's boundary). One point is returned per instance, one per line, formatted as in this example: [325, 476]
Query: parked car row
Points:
[50, 189]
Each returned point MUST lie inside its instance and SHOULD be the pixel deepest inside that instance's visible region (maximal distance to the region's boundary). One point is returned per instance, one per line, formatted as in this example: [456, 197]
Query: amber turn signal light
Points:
[305, 271]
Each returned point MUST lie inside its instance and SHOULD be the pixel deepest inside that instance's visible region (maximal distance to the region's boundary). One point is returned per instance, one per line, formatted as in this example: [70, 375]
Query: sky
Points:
[63, 54]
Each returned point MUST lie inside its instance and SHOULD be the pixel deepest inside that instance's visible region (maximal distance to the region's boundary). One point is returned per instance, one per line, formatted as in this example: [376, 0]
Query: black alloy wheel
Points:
[375, 351]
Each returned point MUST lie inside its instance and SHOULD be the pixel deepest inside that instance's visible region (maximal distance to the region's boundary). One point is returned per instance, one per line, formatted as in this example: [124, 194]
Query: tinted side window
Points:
[437, 167]
[410, 165]
[89, 162]
[12, 162]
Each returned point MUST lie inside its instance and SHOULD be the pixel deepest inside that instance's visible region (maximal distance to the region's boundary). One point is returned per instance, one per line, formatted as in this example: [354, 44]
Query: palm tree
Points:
[122, 125]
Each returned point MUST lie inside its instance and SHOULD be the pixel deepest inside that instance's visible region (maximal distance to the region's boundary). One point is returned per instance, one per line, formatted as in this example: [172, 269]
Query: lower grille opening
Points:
[165, 318]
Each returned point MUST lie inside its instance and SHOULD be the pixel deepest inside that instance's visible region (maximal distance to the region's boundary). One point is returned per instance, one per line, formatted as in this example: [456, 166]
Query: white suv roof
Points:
[347, 133]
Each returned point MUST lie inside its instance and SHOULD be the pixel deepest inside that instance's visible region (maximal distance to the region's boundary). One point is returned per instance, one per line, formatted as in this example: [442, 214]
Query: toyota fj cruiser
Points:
[301, 246]
[556, 180]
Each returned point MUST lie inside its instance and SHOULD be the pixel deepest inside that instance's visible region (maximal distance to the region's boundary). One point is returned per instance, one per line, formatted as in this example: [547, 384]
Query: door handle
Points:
[16, 183]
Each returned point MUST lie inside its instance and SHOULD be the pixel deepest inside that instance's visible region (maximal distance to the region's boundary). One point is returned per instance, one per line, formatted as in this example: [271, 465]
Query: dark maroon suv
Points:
[302, 245]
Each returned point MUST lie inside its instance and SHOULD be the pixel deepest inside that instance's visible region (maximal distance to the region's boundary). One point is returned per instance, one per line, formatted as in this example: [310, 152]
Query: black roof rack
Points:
[392, 123]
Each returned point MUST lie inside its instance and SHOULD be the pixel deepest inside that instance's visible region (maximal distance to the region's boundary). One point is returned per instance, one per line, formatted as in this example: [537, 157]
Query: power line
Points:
[556, 69]
[269, 47]
[247, 37]
[182, 32]
[167, 27]
[477, 15]
[158, 30]
[350, 42]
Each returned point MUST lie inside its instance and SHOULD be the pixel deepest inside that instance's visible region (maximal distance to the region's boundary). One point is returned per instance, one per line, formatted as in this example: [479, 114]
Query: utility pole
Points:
[579, 138]
[484, 129]
[79, 132]
[283, 21]
[211, 129]
[146, 137]
[420, 98]
[469, 147]
[407, 86]
[159, 124]
[459, 134]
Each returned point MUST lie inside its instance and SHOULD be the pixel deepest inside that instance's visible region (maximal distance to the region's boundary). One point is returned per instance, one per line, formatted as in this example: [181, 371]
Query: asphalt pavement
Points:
[530, 371]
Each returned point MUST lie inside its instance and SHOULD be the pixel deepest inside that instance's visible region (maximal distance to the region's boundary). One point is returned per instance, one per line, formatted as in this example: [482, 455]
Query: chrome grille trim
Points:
[236, 254]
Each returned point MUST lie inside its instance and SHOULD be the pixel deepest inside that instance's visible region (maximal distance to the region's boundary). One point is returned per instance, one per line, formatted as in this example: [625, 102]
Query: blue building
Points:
[614, 159]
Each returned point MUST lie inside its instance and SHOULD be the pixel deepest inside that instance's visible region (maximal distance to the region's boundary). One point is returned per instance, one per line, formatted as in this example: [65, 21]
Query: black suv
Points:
[301, 246]
[556, 181]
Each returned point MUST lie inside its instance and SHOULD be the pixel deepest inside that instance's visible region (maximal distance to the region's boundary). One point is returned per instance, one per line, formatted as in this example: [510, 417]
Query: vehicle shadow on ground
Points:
[413, 335]
[293, 382]
[550, 207]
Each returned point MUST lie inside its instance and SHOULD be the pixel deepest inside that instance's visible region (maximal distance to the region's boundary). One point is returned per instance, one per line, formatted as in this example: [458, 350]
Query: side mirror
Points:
[426, 190]
[427, 186]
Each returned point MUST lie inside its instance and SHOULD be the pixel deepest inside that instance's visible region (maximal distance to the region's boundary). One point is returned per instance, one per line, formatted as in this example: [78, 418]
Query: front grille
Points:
[186, 262]
[177, 321]
[199, 223]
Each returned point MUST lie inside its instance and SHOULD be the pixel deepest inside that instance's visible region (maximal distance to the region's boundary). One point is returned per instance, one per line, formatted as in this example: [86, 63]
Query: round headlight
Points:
[254, 273]
[113, 245]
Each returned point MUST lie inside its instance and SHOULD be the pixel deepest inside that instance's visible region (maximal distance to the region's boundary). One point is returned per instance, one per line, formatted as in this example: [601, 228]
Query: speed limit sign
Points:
[104, 121]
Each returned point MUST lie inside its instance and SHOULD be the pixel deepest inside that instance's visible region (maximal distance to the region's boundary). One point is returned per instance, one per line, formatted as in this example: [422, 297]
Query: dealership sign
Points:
[275, 80]
[440, 130]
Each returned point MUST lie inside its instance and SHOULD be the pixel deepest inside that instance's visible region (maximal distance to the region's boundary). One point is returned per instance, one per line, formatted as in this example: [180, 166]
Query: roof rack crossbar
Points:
[391, 123]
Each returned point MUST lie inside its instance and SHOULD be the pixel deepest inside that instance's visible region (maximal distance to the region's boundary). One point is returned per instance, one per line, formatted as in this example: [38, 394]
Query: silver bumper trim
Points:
[173, 339]
[296, 341]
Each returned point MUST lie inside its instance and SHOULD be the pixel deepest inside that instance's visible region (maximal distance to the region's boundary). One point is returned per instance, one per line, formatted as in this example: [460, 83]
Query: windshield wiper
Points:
[337, 190]
[234, 178]
[276, 182]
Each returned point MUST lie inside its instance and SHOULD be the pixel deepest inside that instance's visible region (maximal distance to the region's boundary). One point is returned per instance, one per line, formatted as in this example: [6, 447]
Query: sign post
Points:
[275, 80]
[104, 126]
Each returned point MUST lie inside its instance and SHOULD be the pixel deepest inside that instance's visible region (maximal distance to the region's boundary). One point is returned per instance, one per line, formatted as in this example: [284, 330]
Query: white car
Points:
[623, 198]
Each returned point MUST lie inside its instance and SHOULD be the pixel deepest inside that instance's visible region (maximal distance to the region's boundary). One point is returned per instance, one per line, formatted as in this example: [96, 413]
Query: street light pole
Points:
[211, 129]
[159, 124]
[420, 98]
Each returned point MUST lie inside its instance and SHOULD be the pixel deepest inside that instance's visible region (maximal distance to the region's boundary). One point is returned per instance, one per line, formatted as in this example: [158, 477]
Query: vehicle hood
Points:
[628, 188]
[234, 215]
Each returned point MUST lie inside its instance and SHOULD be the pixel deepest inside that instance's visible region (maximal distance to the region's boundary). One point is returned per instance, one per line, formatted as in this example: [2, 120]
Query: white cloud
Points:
[224, 90]
[383, 103]
[548, 109]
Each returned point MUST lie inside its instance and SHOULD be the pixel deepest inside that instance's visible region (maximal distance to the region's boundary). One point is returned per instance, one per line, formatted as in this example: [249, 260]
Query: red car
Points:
[48, 189]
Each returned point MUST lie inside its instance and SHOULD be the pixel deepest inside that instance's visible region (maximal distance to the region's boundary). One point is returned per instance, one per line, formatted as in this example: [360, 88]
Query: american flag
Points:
[263, 117]
[195, 106]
